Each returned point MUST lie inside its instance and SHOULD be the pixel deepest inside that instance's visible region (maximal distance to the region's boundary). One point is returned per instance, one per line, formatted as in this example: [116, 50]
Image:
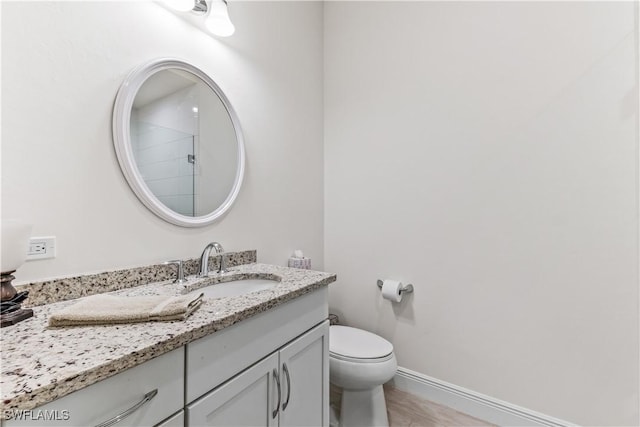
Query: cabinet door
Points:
[249, 399]
[304, 374]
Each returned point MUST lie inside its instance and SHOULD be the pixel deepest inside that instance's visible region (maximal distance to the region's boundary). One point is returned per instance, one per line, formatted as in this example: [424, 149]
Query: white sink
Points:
[235, 288]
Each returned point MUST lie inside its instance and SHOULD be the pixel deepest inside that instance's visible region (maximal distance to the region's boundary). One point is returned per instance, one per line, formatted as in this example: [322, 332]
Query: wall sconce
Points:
[215, 12]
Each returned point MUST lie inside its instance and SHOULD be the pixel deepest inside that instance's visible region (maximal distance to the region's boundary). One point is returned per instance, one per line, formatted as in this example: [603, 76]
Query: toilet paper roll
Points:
[391, 290]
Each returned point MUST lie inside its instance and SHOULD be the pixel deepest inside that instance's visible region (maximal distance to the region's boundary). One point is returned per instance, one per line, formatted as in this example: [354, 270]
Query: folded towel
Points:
[110, 309]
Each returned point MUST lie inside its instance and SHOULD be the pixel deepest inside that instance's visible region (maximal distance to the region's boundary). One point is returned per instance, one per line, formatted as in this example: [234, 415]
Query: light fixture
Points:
[218, 21]
[181, 5]
[216, 14]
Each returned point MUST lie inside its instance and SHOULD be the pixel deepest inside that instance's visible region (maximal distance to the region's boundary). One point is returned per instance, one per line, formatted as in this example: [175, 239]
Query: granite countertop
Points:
[41, 364]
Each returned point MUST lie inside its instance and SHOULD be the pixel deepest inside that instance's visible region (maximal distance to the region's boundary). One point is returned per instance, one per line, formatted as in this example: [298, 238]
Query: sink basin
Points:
[235, 288]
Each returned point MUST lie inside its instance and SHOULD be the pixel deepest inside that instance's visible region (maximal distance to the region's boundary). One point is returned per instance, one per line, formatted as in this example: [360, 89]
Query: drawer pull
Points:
[286, 371]
[147, 397]
[277, 378]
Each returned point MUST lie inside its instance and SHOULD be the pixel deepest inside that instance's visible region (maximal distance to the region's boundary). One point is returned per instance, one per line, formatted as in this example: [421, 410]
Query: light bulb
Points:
[181, 5]
[218, 21]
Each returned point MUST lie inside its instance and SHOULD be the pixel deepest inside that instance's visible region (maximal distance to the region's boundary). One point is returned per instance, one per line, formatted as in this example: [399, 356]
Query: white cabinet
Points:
[290, 387]
[214, 359]
[271, 369]
[304, 375]
[160, 380]
[249, 399]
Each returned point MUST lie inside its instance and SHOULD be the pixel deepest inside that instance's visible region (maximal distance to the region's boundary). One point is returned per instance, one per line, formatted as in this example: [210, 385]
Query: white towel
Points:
[109, 309]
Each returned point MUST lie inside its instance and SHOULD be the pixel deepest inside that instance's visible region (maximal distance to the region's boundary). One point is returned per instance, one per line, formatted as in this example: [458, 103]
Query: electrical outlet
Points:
[41, 248]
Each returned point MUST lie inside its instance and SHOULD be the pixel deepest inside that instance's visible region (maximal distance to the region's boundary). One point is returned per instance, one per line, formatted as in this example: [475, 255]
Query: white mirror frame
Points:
[122, 142]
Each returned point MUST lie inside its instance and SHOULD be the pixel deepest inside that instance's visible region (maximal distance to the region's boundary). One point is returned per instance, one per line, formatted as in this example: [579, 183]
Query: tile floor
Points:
[407, 410]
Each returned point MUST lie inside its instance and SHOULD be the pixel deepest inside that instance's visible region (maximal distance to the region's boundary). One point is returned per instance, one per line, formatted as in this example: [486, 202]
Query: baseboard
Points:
[469, 402]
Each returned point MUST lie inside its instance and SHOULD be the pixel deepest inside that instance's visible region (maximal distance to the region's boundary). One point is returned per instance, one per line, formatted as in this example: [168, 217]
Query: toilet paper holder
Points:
[406, 289]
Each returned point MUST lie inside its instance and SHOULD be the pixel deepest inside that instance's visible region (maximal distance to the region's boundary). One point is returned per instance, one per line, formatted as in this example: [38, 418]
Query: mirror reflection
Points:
[183, 142]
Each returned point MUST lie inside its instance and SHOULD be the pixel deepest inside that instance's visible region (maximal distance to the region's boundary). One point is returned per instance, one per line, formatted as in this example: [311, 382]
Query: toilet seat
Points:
[356, 345]
[360, 360]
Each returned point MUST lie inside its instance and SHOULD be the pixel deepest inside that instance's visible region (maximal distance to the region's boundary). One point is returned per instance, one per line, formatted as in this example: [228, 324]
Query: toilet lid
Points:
[357, 344]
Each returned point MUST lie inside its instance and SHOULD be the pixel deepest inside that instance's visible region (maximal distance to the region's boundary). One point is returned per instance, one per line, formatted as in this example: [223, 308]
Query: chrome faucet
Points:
[204, 259]
[180, 272]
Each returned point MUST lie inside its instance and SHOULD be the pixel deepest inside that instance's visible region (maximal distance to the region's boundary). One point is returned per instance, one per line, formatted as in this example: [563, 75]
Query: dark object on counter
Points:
[14, 303]
[8, 307]
[9, 319]
[11, 311]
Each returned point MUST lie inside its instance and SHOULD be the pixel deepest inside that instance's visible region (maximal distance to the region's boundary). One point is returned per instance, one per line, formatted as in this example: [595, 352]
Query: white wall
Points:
[488, 154]
[62, 64]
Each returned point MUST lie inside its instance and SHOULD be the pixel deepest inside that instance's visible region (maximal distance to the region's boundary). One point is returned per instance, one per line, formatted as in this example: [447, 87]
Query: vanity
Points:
[259, 358]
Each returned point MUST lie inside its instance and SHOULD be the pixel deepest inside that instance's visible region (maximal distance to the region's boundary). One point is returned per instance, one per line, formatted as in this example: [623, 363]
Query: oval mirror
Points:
[178, 142]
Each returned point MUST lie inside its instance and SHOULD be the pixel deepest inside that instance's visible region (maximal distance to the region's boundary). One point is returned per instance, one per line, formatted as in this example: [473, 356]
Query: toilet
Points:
[359, 363]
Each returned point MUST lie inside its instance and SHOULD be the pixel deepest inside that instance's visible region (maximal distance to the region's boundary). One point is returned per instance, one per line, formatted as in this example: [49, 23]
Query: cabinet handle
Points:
[147, 397]
[277, 378]
[286, 371]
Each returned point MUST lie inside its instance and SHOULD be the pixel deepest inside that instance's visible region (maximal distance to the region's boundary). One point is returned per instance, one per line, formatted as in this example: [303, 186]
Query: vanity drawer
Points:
[106, 399]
